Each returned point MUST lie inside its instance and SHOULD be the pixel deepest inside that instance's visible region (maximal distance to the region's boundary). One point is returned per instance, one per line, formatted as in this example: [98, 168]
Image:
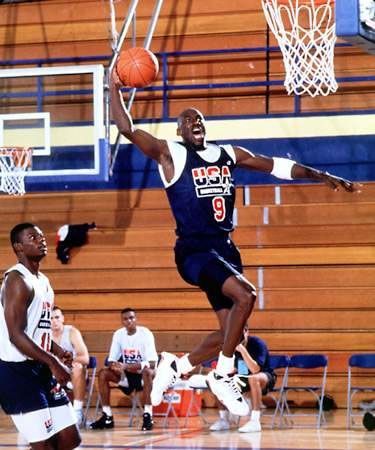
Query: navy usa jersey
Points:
[202, 192]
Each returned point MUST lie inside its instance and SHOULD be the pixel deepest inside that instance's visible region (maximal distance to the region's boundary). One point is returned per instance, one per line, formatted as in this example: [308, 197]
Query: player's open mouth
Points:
[198, 132]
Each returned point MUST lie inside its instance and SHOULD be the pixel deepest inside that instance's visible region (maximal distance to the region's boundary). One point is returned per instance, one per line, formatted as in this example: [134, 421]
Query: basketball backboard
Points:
[59, 113]
[355, 22]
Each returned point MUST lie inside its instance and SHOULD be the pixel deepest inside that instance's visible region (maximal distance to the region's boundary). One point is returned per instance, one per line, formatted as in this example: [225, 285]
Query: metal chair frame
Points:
[279, 363]
[306, 362]
[91, 374]
[366, 362]
[170, 411]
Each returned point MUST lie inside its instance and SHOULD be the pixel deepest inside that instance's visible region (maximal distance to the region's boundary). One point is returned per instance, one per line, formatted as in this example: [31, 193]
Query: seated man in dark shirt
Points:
[253, 369]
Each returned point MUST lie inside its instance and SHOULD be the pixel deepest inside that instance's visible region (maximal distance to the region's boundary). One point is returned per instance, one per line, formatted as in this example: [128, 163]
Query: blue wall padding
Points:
[351, 157]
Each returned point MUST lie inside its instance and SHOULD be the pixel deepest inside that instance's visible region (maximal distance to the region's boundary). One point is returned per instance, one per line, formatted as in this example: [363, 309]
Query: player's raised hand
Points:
[115, 79]
[337, 183]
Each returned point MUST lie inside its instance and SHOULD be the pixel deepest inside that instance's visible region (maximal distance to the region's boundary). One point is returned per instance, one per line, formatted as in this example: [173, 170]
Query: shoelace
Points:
[234, 383]
[238, 381]
[173, 381]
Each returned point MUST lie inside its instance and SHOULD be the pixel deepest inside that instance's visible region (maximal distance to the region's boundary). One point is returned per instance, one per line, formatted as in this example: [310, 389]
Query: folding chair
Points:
[169, 398]
[90, 383]
[365, 362]
[280, 364]
[305, 365]
[197, 383]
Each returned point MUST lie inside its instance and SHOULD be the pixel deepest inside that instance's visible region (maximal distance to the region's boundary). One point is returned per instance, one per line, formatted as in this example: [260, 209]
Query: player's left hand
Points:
[117, 367]
[337, 183]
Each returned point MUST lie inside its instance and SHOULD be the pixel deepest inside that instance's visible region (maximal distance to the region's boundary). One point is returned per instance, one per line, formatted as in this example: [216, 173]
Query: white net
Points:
[14, 162]
[305, 32]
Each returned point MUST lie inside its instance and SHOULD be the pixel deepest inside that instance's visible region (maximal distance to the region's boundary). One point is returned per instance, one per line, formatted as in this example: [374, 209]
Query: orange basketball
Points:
[137, 67]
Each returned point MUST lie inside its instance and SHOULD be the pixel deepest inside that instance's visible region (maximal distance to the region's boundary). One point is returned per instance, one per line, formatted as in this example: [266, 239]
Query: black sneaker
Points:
[147, 422]
[102, 423]
[369, 421]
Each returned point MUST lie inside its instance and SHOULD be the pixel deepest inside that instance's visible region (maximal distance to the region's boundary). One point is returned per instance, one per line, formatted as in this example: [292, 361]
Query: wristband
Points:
[144, 364]
[282, 168]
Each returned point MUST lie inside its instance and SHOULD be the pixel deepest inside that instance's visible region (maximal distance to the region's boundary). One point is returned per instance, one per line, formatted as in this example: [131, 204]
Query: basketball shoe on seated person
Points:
[148, 423]
[104, 422]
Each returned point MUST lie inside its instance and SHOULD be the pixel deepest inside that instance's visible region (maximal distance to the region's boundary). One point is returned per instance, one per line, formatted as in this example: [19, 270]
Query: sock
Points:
[225, 365]
[223, 413]
[77, 405]
[107, 410]
[183, 364]
[148, 409]
[255, 416]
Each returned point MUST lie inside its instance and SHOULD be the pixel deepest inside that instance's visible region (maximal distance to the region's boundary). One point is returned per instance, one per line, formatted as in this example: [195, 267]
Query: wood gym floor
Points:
[334, 436]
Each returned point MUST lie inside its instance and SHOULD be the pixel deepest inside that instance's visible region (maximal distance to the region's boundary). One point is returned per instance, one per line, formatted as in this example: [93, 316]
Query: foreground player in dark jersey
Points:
[197, 176]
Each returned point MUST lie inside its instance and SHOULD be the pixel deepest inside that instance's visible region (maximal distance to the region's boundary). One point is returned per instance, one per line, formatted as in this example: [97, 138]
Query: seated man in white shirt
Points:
[70, 339]
[131, 364]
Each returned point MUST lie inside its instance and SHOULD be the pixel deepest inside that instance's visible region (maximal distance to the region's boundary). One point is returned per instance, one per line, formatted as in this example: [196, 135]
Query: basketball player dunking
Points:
[197, 176]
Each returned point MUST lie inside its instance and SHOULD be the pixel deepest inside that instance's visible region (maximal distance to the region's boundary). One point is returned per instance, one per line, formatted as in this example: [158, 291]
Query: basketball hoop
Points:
[305, 32]
[14, 162]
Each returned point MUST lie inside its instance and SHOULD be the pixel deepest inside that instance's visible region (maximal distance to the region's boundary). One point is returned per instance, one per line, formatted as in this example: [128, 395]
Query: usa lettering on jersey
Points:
[43, 331]
[212, 181]
[131, 355]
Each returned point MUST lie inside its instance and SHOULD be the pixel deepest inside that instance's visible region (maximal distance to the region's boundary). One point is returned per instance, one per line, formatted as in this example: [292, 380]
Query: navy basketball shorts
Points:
[208, 262]
[134, 383]
[271, 377]
[28, 386]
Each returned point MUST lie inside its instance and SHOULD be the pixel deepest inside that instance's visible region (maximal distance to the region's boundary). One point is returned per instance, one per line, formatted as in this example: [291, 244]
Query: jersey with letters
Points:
[65, 341]
[38, 326]
[133, 348]
[201, 192]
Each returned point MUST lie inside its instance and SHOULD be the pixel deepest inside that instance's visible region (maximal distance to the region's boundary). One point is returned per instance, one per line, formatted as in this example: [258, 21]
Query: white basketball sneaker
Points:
[220, 425]
[227, 391]
[166, 375]
[251, 426]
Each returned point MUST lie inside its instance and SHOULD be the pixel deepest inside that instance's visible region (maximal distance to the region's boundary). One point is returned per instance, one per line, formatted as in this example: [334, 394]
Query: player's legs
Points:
[258, 384]
[243, 295]
[218, 272]
[231, 320]
[78, 375]
[211, 345]
[147, 377]
[105, 377]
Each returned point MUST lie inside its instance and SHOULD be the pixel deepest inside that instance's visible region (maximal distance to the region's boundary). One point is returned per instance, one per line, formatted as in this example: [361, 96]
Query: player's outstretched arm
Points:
[287, 169]
[151, 146]
[332, 181]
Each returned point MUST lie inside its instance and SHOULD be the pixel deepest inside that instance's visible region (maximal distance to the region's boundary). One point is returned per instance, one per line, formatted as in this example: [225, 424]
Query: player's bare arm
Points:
[286, 169]
[81, 351]
[64, 356]
[251, 364]
[147, 143]
[16, 300]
